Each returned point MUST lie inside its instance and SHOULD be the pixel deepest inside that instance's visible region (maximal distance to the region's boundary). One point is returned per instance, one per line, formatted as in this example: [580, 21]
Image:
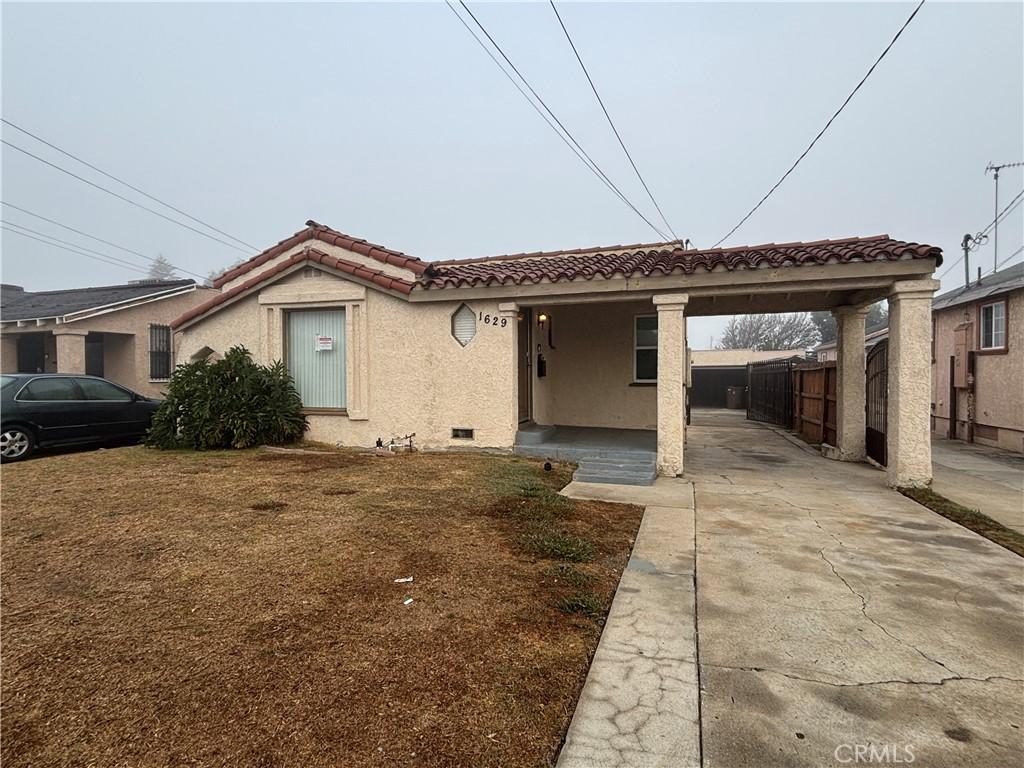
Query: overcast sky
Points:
[388, 122]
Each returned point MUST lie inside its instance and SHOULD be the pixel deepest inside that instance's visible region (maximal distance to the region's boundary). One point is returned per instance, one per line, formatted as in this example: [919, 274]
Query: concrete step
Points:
[636, 463]
[577, 453]
[621, 477]
[533, 434]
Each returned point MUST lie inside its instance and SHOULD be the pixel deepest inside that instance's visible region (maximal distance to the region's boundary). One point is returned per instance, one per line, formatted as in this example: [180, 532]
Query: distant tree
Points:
[878, 317]
[161, 269]
[762, 332]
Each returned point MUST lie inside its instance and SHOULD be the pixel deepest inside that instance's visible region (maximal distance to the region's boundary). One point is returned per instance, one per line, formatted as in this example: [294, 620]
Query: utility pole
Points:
[971, 243]
[995, 237]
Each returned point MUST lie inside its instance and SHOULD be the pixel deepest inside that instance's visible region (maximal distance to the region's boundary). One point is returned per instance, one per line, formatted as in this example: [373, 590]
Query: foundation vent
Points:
[462, 433]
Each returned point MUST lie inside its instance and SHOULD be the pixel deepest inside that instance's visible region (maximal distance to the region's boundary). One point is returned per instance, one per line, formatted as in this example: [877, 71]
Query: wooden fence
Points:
[814, 402]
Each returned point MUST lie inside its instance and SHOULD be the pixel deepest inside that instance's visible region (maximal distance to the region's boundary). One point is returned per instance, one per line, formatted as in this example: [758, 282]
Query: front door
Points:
[525, 365]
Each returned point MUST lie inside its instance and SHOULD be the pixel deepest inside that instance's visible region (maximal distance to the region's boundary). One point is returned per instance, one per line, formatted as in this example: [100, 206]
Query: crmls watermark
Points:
[865, 754]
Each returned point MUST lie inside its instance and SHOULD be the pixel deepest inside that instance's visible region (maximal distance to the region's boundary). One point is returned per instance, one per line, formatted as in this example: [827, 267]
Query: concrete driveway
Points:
[982, 478]
[836, 617]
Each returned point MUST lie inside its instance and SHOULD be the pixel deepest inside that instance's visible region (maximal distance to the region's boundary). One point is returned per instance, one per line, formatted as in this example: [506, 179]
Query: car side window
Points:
[97, 389]
[56, 388]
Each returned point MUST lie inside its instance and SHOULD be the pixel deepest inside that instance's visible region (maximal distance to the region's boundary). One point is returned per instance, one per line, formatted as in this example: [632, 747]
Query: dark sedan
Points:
[50, 409]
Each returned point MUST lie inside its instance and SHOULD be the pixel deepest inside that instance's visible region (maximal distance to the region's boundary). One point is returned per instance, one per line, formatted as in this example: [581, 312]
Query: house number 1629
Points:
[490, 319]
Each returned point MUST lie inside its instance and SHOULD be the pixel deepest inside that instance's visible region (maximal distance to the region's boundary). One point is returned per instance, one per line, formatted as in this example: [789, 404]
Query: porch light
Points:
[542, 319]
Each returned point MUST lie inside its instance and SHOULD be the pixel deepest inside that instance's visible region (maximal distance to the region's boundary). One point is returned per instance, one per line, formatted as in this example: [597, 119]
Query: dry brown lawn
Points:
[239, 608]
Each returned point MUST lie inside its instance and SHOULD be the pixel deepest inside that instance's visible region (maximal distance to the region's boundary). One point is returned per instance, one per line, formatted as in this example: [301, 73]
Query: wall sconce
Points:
[544, 321]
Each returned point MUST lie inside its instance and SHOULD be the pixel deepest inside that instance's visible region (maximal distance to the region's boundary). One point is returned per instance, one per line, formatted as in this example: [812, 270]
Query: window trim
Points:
[1004, 348]
[636, 348]
[169, 352]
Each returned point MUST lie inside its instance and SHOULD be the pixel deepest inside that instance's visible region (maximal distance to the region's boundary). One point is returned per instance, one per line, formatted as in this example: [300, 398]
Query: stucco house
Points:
[121, 332]
[475, 352]
[827, 351]
[978, 361]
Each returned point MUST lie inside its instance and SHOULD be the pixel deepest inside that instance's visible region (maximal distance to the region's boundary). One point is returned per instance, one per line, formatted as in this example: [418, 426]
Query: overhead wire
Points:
[132, 187]
[823, 130]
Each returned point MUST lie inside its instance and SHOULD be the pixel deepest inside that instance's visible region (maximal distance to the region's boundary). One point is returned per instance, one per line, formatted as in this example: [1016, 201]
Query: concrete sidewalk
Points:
[639, 706]
[986, 479]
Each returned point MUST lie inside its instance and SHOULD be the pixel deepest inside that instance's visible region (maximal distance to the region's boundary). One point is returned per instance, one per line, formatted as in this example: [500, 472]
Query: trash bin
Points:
[734, 397]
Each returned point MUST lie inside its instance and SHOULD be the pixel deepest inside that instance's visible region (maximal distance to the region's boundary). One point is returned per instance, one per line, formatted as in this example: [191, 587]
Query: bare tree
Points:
[161, 269]
[762, 332]
[878, 318]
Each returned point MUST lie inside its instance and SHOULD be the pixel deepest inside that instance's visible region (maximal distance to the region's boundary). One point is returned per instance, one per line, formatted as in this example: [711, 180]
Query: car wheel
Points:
[16, 443]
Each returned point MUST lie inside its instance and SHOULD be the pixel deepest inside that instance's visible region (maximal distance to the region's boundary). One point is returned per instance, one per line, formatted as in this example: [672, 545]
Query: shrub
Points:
[230, 403]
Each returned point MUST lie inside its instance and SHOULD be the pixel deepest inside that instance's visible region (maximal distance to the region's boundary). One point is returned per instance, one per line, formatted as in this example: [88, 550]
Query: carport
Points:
[583, 359]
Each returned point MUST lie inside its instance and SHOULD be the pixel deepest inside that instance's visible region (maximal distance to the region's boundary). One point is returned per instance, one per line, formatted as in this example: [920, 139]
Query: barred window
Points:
[159, 352]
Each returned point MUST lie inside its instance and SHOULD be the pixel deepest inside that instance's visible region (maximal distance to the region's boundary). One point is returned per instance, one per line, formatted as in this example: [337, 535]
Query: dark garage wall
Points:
[709, 385]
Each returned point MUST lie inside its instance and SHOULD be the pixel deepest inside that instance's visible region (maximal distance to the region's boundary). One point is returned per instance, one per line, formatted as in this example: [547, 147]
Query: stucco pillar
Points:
[671, 382]
[908, 421]
[850, 384]
[8, 353]
[510, 311]
[70, 351]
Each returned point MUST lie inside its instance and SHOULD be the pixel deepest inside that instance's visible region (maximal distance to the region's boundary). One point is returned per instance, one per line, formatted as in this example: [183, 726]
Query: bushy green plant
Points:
[231, 403]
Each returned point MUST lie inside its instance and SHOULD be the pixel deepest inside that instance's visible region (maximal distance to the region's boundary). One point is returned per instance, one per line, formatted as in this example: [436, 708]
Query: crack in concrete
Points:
[867, 683]
[864, 611]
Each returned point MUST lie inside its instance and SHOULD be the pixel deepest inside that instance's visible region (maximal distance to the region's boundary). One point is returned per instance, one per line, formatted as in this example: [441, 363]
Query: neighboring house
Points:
[825, 352]
[978, 361]
[461, 353]
[713, 371]
[121, 332]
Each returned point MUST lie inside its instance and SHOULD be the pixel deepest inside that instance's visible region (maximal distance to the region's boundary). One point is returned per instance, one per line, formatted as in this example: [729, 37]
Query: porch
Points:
[604, 455]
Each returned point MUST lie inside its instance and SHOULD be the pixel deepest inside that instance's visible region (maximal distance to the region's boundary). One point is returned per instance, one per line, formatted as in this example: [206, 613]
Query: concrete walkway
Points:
[834, 618]
[639, 706]
[835, 614]
[986, 479]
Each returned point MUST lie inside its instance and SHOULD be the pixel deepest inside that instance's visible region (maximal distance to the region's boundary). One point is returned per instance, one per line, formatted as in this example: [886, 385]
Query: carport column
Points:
[850, 383]
[908, 420]
[510, 311]
[671, 382]
[70, 351]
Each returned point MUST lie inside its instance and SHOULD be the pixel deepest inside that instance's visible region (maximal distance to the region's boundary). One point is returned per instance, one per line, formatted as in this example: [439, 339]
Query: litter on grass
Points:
[407, 601]
[406, 580]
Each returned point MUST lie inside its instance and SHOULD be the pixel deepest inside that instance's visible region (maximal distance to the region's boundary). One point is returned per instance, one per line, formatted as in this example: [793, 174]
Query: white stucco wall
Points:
[406, 372]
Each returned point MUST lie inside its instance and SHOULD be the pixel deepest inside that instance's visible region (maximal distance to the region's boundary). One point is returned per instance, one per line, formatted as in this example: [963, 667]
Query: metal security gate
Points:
[877, 401]
[770, 392]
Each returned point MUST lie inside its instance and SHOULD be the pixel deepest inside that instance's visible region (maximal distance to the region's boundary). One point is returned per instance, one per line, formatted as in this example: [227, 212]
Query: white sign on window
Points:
[324, 343]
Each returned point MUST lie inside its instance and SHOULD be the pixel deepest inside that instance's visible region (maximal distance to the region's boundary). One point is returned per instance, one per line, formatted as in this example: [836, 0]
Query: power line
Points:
[6, 228]
[121, 197]
[823, 130]
[1010, 257]
[92, 250]
[578, 150]
[93, 237]
[609, 118]
[1010, 208]
[125, 183]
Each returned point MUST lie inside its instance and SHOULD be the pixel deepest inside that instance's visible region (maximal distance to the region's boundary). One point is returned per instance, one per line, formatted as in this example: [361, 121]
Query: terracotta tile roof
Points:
[330, 236]
[663, 259]
[308, 255]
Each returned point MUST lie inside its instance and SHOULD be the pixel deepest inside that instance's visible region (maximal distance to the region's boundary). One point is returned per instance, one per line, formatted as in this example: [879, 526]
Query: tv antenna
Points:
[995, 237]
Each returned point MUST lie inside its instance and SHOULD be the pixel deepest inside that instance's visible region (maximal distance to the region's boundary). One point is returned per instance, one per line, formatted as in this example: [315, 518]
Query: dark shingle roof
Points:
[30, 305]
[1009, 279]
[665, 259]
